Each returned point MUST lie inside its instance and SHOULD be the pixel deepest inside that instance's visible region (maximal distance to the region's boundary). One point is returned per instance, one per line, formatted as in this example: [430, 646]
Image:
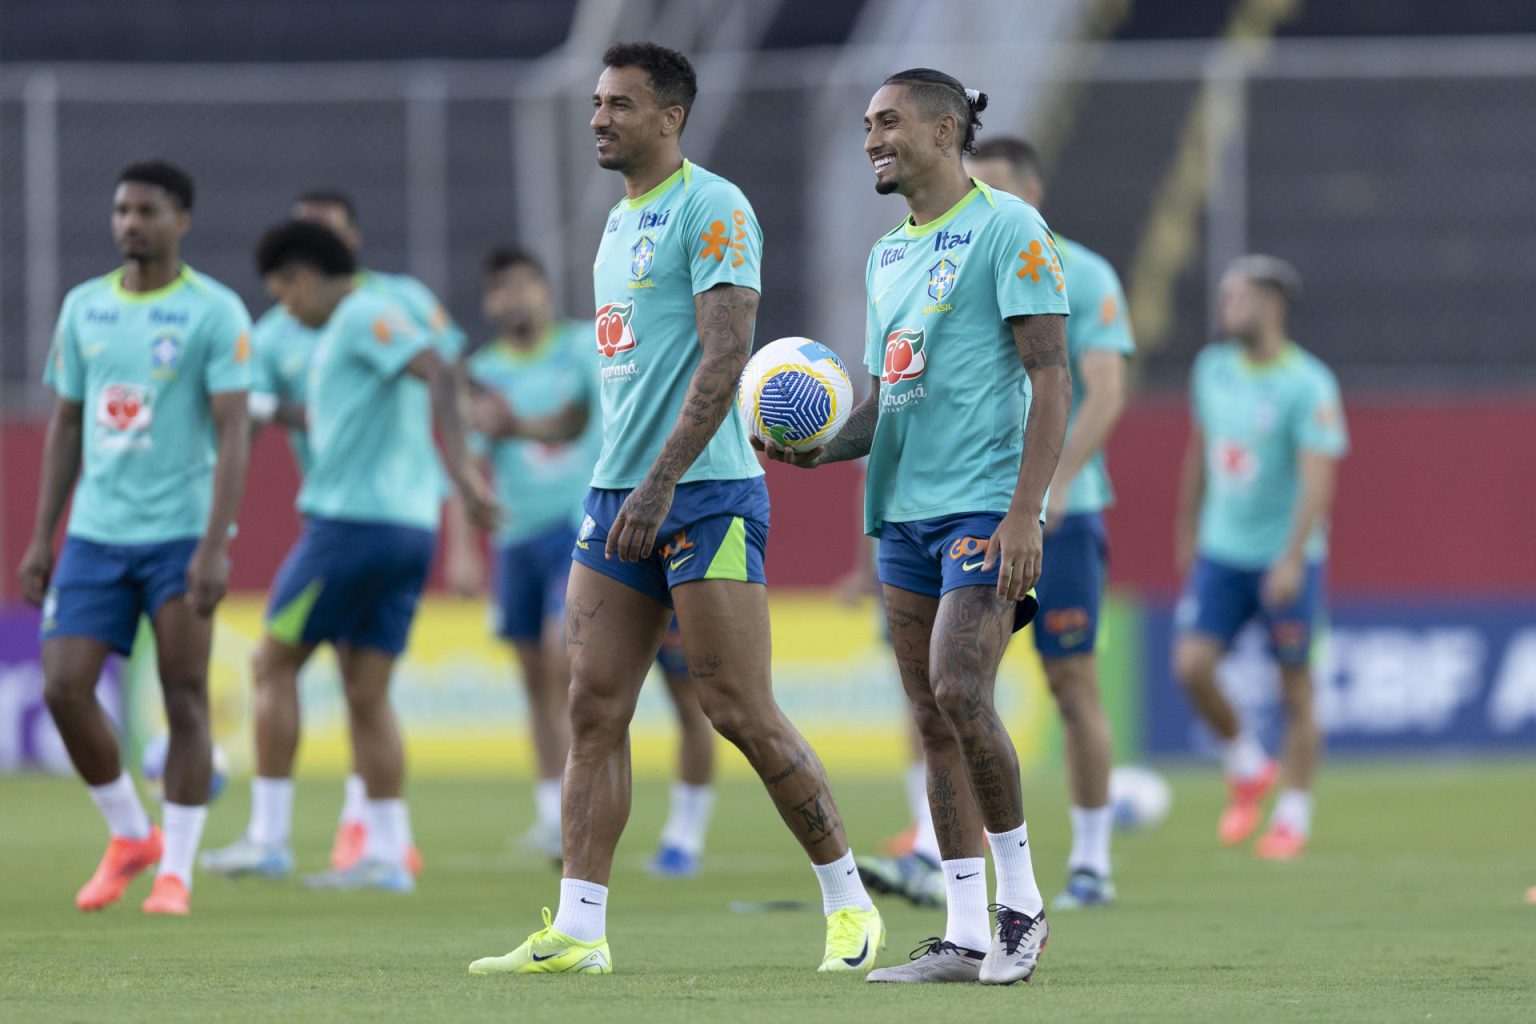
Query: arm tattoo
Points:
[1041, 340]
[854, 440]
[726, 316]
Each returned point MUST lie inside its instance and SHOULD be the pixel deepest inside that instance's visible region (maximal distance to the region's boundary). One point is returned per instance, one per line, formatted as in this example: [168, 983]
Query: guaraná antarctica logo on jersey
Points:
[124, 413]
[614, 334]
[641, 256]
[905, 358]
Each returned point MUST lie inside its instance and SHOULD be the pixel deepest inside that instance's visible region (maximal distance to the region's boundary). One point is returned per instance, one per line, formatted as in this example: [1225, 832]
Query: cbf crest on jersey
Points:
[941, 279]
[164, 354]
[641, 256]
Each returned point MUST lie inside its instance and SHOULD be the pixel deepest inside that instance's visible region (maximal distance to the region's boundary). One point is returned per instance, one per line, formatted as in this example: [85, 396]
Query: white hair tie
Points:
[973, 95]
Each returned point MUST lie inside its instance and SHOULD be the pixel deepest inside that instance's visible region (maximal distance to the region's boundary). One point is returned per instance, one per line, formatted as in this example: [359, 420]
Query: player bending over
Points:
[283, 348]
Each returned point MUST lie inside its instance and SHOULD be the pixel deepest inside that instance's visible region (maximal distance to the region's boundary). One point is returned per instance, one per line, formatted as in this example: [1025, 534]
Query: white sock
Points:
[354, 804]
[119, 803]
[965, 886]
[546, 799]
[841, 886]
[688, 817]
[583, 912]
[1243, 758]
[1016, 886]
[387, 825]
[183, 833]
[271, 811]
[1090, 839]
[916, 781]
[1293, 809]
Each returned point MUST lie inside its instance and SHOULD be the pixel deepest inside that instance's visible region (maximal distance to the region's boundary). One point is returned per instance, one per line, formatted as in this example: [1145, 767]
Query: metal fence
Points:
[1394, 173]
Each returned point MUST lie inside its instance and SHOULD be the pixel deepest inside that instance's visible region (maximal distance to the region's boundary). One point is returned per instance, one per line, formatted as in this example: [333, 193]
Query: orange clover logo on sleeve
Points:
[243, 347]
[381, 330]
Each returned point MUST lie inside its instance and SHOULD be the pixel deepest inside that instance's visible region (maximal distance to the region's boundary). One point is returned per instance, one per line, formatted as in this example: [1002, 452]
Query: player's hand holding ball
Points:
[795, 396]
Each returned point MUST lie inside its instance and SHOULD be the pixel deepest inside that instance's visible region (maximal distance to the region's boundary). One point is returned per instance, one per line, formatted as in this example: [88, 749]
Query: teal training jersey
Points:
[370, 423]
[1098, 323]
[953, 391]
[690, 233]
[282, 346]
[541, 485]
[1256, 421]
[143, 365]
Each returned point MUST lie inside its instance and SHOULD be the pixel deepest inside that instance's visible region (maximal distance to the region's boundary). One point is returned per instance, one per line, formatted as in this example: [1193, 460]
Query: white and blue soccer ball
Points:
[1139, 797]
[153, 766]
[796, 393]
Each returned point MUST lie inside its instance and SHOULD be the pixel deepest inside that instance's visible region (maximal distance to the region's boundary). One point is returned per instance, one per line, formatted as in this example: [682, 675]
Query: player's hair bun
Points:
[978, 100]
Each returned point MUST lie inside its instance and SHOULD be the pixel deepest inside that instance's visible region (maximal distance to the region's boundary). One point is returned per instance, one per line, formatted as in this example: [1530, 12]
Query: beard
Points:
[886, 186]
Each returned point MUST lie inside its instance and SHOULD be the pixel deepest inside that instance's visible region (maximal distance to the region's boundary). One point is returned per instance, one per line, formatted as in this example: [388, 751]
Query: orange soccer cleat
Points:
[124, 859]
[413, 860]
[1280, 843]
[169, 896]
[347, 850]
[1244, 805]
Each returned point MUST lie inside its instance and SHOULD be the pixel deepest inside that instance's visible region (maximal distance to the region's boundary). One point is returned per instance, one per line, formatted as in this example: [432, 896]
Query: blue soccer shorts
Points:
[934, 556]
[351, 584]
[715, 530]
[99, 591]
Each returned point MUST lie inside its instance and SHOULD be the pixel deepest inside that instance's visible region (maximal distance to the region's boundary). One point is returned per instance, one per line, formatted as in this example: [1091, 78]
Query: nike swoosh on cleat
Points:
[540, 959]
[589, 902]
[854, 961]
[961, 878]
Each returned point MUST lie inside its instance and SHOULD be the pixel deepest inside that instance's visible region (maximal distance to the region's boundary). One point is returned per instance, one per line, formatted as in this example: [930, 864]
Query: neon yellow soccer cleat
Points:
[853, 939]
[551, 952]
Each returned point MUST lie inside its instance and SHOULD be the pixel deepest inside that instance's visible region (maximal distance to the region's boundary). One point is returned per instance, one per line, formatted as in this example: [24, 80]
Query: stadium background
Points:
[1384, 148]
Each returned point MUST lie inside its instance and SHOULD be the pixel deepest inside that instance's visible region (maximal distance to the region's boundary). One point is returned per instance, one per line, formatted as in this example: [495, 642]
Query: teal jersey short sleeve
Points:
[421, 306]
[143, 366]
[1098, 324]
[541, 485]
[1256, 421]
[690, 233]
[281, 349]
[953, 392]
[370, 422]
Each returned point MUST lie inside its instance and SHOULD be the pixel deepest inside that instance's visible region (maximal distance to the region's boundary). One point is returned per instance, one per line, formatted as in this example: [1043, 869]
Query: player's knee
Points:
[959, 699]
[728, 717]
[597, 717]
[267, 666]
[1072, 684]
[62, 694]
[1296, 691]
[1194, 663]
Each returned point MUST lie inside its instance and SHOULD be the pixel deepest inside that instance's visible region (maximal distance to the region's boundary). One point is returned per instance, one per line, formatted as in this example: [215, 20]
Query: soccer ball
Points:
[796, 393]
[153, 766]
[1139, 797]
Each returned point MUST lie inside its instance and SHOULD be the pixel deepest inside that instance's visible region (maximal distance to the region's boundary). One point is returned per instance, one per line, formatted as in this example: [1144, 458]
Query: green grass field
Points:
[1409, 907]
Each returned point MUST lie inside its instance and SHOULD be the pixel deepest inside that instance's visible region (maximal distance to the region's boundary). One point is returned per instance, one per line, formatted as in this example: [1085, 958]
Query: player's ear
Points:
[672, 120]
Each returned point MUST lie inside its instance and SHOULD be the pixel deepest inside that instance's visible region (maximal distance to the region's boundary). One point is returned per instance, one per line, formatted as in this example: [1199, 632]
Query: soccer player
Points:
[535, 388]
[966, 316]
[677, 518]
[1072, 576]
[377, 386]
[282, 350]
[1267, 434]
[151, 365]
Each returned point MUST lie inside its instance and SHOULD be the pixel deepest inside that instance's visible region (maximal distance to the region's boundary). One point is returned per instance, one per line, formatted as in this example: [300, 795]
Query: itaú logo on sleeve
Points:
[614, 334]
[905, 358]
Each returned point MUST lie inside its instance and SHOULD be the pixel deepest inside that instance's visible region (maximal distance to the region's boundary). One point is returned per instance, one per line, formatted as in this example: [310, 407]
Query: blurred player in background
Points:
[677, 517]
[159, 355]
[966, 303]
[1258, 482]
[535, 391]
[1072, 578]
[282, 349]
[371, 503]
